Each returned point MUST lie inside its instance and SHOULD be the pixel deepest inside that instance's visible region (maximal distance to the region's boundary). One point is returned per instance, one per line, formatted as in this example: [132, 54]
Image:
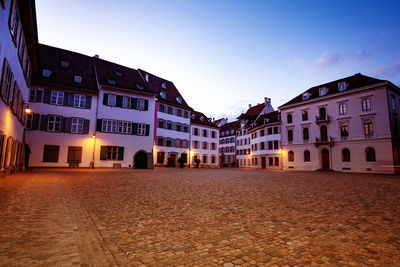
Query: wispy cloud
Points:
[390, 70]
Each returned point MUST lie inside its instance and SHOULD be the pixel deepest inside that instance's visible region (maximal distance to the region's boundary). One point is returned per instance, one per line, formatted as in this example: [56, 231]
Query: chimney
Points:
[249, 105]
[96, 56]
[267, 100]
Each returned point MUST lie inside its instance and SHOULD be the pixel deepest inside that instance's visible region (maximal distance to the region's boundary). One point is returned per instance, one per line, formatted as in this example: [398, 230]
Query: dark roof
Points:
[63, 78]
[234, 125]
[272, 117]
[124, 77]
[172, 93]
[252, 112]
[218, 121]
[196, 118]
[356, 81]
[27, 10]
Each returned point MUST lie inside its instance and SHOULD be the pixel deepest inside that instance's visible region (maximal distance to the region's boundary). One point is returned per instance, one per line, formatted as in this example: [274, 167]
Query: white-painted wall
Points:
[200, 152]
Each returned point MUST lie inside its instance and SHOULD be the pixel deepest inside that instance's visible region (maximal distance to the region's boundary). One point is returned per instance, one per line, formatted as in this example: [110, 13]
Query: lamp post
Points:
[94, 147]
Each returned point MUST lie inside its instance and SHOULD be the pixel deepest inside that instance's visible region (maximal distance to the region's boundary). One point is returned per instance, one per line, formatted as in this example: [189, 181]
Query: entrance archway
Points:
[325, 159]
[140, 160]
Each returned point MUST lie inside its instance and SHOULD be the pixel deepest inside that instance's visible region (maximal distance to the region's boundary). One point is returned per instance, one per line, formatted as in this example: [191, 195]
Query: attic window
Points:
[201, 118]
[163, 94]
[323, 91]
[266, 120]
[118, 73]
[140, 87]
[342, 86]
[64, 64]
[111, 81]
[78, 78]
[193, 116]
[46, 73]
[179, 99]
[306, 96]
[147, 77]
[164, 85]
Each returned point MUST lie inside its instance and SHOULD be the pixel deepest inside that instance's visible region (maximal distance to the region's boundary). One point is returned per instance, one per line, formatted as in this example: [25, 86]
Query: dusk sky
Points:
[224, 55]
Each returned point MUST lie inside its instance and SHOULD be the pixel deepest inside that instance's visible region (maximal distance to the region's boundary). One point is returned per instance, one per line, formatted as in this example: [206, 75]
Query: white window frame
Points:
[57, 97]
[79, 101]
[54, 123]
[342, 109]
[46, 73]
[109, 126]
[124, 127]
[368, 104]
[126, 102]
[77, 125]
[112, 100]
[141, 129]
[140, 104]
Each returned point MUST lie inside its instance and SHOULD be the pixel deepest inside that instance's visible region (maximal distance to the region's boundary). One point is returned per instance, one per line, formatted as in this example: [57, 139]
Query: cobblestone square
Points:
[199, 217]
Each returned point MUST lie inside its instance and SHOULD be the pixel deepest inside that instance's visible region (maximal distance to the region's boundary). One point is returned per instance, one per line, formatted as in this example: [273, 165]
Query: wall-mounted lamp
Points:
[94, 135]
[27, 109]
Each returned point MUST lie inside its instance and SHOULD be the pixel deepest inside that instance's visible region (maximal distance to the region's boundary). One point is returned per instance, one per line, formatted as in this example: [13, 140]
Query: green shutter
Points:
[135, 128]
[121, 153]
[134, 103]
[119, 100]
[147, 129]
[103, 153]
[105, 99]
[99, 123]
[146, 104]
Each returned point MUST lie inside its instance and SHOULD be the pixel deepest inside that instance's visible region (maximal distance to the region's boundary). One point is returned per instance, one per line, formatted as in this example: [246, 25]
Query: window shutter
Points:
[3, 78]
[10, 19]
[43, 122]
[67, 126]
[165, 124]
[147, 129]
[35, 121]
[46, 96]
[135, 128]
[105, 99]
[146, 104]
[119, 101]
[88, 102]
[99, 124]
[66, 95]
[69, 99]
[62, 128]
[134, 103]
[103, 153]
[39, 94]
[121, 153]
[86, 124]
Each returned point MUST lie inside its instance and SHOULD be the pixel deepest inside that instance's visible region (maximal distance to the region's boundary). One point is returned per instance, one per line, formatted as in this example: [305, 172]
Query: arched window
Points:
[370, 154]
[345, 154]
[290, 135]
[366, 104]
[289, 118]
[307, 157]
[290, 156]
[306, 134]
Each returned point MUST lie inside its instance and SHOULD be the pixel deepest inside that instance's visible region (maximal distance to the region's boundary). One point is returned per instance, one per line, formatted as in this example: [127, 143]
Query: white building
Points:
[227, 144]
[204, 140]
[18, 46]
[172, 136]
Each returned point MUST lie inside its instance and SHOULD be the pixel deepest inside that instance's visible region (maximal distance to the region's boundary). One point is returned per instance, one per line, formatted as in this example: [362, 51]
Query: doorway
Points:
[325, 159]
[263, 162]
[74, 156]
[172, 160]
[141, 160]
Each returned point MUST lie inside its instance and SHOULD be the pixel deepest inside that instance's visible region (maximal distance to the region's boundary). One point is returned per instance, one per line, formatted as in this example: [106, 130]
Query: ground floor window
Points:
[213, 159]
[111, 153]
[345, 154]
[290, 156]
[271, 161]
[204, 159]
[51, 153]
[307, 156]
[160, 157]
[1, 149]
[184, 157]
[276, 161]
[370, 154]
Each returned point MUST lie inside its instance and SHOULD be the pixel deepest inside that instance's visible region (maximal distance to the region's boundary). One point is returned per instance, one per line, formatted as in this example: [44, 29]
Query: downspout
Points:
[97, 112]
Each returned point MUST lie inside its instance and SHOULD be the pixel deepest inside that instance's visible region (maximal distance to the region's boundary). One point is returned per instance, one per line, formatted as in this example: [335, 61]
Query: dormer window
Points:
[163, 94]
[111, 81]
[193, 116]
[164, 85]
[46, 73]
[323, 91]
[140, 87]
[147, 77]
[342, 86]
[118, 73]
[266, 120]
[179, 100]
[306, 96]
[201, 118]
[78, 78]
[64, 64]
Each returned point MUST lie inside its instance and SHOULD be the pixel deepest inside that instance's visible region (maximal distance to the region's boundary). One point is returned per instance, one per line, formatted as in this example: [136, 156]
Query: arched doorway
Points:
[325, 159]
[141, 160]
[324, 133]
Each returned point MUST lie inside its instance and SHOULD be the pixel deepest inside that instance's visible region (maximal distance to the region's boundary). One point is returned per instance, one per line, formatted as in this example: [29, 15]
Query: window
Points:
[179, 112]
[213, 159]
[213, 134]
[366, 104]
[307, 156]
[306, 96]
[262, 146]
[178, 127]
[342, 86]
[118, 73]
[291, 156]
[169, 125]
[393, 98]
[160, 141]
[169, 110]
[64, 64]
[179, 100]
[79, 101]
[32, 95]
[276, 144]
[77, 78]
[262, 132]
[77, 125]
[169, 142]
[276, 161]
[186, 114]
[344, 131]
[342, 109]
[160, 157]
[6, 81]
[270, 145]
[306, 134]
[109, 126]
[345, 154]
[163, 94]
[205, 145]
[290, 135]
[112, 100]
[196, 144]
[54, 123]
[14, 23]
[164, 85]
[29, 120]
[162, 108]
[276, 130]
[205, 133]
[125, 127]
[270, 161]
[304, 115]
[126, 102]
[368, 128]
[195, 131]
[46, 73]
[111, 81]
[141, 104]
[213, 146]
[270, 130]
[289, 118]
[204, 159]
[141, 129]
[323, 91]
[57, 97]
[50, 153]
[370, 154]
[185, 128]
[112, 152]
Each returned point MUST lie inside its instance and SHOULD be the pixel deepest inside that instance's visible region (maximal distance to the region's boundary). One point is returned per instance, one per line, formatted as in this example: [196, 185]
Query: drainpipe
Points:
[97, 111]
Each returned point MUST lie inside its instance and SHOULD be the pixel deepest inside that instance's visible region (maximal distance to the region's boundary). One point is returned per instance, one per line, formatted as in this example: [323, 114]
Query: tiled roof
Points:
[50, 58]
[114, 75]
[356, 81]
[196, 118]
[172, 95]
[252, 112]
[218, 121]
[271, 117]
[234, 125]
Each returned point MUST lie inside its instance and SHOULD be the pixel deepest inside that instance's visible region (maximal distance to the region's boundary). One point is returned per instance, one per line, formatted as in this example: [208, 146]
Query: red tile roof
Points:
[252, 112]
[196, 117]
[234, 125]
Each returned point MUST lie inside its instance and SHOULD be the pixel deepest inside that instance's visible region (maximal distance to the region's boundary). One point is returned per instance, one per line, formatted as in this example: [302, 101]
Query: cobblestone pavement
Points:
[201, 217]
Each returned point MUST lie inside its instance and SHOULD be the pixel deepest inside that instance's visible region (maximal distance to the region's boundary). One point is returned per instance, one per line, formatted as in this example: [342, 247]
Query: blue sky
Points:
[223, 55]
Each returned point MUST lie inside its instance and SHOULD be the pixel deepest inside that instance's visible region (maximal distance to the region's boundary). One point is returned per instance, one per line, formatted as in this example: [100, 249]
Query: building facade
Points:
[227, 143]
[18, 56]
[346, 125]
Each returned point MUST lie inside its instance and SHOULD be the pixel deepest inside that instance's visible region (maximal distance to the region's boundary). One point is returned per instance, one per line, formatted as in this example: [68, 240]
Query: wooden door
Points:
[325, 159]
